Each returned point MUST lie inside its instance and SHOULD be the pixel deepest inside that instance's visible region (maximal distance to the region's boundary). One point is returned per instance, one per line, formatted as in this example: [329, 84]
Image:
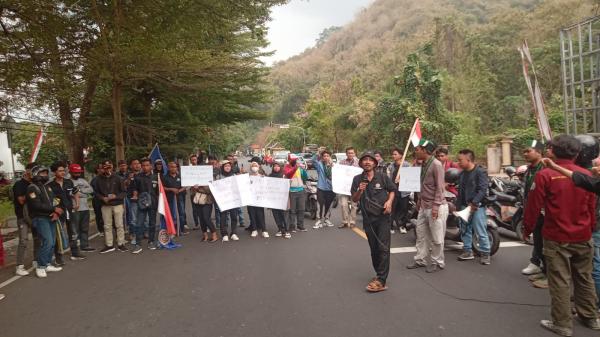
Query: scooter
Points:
[311, 198]
[504, 204]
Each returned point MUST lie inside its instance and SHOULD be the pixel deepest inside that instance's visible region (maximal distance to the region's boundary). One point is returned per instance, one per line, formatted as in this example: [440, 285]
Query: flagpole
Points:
[177, 212]
[406, 149]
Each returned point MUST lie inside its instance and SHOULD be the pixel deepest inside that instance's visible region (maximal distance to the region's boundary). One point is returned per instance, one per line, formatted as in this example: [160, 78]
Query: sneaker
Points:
[531, 269]
[184, 233]
[186, 227]
[549, 325]
[415, 265]
[293, 231]
[2, 296]
[254, 234]
[152, 246]
[392, 231]
[59, 261]
[287, 236]
[133, 242]
[40, 272]
[466, 256]
[590, 323]
[122, 248]
[101, 234]
[432, 268]
[329, 223]
[301, 229]
[536, 277]
[485, 259]
[278, 234]
[52, 268]
[540, 284]
[88, 249]
[77, 257]
[136, 249]
[21, 271]
[403, 230]
[318, 224]
[107, 249]
[344, 225]
[225, 238]
[265, 235]
[34, 264]
[234, 237]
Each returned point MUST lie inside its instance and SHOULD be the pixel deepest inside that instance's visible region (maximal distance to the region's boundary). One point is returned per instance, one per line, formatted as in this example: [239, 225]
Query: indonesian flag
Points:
[37, 145]
[163, 208]
[415, 137]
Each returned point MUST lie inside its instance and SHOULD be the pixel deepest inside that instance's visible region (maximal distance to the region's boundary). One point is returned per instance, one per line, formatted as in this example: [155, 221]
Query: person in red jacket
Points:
[569, 217]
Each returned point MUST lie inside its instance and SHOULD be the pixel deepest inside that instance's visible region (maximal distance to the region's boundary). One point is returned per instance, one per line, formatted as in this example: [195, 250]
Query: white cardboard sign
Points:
[199, 175]
[269, 192]
[231, 192]
[342, 176]
[410, 179]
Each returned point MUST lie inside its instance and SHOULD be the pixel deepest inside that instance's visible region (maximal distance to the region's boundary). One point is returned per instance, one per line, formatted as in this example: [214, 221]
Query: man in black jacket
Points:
[145, 191]
[44, 211]
[111, 192]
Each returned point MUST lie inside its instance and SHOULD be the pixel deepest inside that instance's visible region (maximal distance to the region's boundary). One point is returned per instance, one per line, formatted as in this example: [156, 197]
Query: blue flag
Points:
[155, 155]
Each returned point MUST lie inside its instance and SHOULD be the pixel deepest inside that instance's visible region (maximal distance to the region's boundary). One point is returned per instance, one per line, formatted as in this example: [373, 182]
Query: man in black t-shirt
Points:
[175, 196]
[375, 191]
[20, 196]
[145, 190]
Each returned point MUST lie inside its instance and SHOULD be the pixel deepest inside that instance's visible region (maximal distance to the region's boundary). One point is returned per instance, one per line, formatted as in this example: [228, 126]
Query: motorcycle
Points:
[311, 198]
[504, 203]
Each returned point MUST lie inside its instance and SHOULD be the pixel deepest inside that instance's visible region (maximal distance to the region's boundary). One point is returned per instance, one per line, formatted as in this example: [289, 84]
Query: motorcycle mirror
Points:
[510, 171]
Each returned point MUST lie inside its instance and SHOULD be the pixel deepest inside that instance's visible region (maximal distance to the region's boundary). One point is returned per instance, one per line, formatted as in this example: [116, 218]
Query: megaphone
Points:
[465, 214]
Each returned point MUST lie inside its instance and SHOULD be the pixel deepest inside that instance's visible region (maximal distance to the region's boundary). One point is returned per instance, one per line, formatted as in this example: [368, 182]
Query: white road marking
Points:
[30, 270]
[508, 244]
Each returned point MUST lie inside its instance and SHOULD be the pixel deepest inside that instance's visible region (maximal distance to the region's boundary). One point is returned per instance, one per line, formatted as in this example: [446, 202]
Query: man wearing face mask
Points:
[44, 211]
[257, 214]
[81, 216]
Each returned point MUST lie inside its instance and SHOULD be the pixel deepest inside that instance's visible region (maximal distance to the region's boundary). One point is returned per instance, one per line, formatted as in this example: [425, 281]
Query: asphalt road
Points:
[310, 285]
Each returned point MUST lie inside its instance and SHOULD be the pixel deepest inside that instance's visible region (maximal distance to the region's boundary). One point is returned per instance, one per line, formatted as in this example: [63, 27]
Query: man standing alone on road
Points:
[348, 206]
[376, 194]
[433, 211]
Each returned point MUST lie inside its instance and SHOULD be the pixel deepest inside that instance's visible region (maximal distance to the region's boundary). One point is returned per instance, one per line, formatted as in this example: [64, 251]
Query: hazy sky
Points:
[297, 25]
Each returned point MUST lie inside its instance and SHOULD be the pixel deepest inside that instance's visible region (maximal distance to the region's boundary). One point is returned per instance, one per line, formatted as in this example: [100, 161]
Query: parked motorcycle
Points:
[311, 198]
[504, 204]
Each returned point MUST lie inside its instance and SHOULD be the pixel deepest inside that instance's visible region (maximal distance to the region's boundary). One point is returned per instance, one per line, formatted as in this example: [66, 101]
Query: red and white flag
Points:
[415, 136]
[164, 210]
[37, 145]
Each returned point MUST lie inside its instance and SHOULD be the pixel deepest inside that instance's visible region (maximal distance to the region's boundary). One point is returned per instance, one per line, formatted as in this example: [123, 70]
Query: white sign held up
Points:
[269, 192]
[342, 176]
[196, 175]
[231, 192]
[410, 179]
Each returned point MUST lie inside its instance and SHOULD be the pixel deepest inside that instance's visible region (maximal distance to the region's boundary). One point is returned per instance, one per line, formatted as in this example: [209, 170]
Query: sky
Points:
[297, 25]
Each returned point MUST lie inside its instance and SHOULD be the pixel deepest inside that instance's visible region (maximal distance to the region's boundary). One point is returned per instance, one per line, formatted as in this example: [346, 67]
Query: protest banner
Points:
[196, 175]
[231, 192]
[342, 176]
[269, 192]
[410, 179]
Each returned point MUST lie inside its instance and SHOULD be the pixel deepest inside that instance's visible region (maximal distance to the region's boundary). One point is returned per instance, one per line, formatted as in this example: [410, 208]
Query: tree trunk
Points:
[66, 119]
[80, 136]
[116, 100]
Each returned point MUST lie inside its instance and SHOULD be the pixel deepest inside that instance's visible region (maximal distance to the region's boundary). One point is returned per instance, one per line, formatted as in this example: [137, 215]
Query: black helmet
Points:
[510, 171]
[590, 148]
[451, 176]
[37, 169]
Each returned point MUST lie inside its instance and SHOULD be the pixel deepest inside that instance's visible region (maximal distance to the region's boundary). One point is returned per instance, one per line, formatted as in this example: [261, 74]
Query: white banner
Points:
[231, 192]
[196, 175]
[342, 176]
[410, 179]
[269, 192]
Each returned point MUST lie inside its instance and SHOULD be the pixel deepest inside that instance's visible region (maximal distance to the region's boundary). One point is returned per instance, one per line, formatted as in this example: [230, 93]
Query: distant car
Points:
[308, 158]
[280, 158]
[337, 157]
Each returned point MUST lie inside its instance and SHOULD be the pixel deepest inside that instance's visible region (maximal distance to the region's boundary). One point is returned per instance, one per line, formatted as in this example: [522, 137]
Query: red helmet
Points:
[521, 170]
[75, 168]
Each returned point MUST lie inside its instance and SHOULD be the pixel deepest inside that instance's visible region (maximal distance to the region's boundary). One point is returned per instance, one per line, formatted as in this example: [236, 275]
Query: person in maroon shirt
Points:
[569, 217]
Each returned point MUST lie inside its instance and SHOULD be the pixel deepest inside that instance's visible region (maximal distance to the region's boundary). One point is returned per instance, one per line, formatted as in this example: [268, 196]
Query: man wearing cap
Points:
[533, 154]
[375, 191]
[433, 211]
[111, 192]
[44, 210]
[81, 215]
[20, 194]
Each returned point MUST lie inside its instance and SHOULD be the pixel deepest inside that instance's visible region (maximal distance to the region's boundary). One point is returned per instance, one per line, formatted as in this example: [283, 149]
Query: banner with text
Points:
[196, 175]
[231, 192]
[269, 192]
[342, 176]
[410, 179]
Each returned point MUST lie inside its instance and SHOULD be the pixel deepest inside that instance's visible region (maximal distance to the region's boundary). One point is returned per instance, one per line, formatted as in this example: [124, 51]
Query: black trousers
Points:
[196, 213]
[400, 210]
[379, 237]
[97, 205]
[257, 218]
[325, 199]
[537, 256]
[233, 214]
[204, 212]
[279, 216]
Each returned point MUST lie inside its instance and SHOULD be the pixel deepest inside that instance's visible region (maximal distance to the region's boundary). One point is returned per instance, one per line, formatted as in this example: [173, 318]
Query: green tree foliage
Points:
[52, 147]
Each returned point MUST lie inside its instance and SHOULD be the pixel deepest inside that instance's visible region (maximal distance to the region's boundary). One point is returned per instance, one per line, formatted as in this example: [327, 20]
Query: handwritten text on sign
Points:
[269, 192]
[196, 175]
[410, 179]
[342, 176]
[231, 192]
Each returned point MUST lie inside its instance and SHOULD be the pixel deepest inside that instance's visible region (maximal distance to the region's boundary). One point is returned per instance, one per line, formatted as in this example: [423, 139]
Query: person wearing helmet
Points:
[44, 210]
[375, 191]
[569, 217]
[533, 155]
[442, 155]
[81, 215]
[433, 211]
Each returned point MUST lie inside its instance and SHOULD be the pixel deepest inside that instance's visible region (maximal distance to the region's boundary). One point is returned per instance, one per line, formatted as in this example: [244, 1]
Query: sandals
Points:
[376, 286]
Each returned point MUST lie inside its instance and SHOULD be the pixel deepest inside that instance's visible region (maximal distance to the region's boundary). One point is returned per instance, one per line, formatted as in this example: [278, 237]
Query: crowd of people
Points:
[560, 212]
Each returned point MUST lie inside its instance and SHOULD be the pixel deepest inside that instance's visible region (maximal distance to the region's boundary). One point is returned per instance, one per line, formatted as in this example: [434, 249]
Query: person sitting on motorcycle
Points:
[533, 154]
[441, 154]
[472, 188]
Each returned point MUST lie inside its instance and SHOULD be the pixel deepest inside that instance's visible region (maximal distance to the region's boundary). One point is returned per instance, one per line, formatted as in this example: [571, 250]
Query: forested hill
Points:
[452, 62]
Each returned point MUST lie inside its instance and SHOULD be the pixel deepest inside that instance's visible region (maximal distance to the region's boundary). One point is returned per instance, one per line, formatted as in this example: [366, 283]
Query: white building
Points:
[8, 165]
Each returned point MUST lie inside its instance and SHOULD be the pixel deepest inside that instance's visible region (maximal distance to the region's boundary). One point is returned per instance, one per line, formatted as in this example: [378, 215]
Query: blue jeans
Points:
[180, 209]
[241, 216]
[46, 232]
[132, 208]
[596, 262]
[478, 224]
[150, 214]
